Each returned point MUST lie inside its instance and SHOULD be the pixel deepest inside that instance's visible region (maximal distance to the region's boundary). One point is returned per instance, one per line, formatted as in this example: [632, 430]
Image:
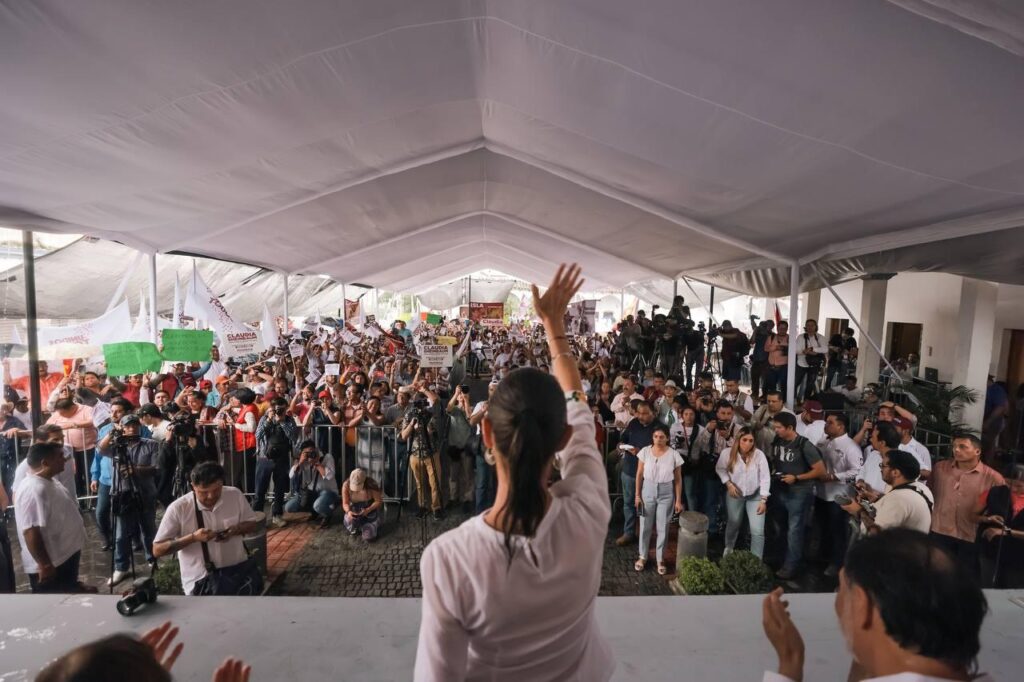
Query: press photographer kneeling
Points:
[205, 527]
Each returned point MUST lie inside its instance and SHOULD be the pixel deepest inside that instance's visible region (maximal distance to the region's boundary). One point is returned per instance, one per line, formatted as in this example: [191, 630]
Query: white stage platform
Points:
[299, 638]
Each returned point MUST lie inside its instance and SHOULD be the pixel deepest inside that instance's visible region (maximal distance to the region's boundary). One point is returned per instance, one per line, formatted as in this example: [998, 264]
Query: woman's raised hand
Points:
[552, 305]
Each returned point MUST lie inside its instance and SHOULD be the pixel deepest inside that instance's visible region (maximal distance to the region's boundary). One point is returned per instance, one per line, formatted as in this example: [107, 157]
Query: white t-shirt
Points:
[486, 619]
[843, 458]
[905, 508]
[814, 432]
[46, 504]
[66, 478]
[660, 469]
[870, 471]
[920, 453]
[180, 520]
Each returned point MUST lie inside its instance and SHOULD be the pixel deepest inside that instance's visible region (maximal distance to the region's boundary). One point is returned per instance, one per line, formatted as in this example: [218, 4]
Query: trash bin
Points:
[256, 544]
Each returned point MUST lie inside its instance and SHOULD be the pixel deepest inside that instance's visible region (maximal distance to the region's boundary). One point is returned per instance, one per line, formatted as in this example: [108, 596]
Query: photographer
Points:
[759, 358]
[810, 359]
[182, 435]
[777, 346]
[276, 434]
[102, 471]
[735, 346]
[1000, 537]
[134, 490]
[460, 467]
[313, 476]
[679, 311]
[693, 349]
[907, 504]
[714, 439]
[215, 544]
[420, 430]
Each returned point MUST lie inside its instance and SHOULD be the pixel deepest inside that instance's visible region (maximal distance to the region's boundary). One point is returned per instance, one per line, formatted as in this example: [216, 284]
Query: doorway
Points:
[834, 325]
[902, 339]
[1014, 378]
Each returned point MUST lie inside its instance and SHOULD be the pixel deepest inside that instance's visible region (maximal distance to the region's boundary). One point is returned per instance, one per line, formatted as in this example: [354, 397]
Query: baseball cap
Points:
[324, 394]
[671, 383]
[814, 408]
[901, 422]
[130, 419]
[205, 385]
[148, 410]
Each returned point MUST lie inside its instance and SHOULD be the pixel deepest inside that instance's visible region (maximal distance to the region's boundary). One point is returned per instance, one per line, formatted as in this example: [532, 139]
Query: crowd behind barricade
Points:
[520, 578]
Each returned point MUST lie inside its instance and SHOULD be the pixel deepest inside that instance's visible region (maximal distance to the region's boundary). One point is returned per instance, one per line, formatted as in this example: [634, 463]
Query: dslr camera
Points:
[142, 592]
[183, 424]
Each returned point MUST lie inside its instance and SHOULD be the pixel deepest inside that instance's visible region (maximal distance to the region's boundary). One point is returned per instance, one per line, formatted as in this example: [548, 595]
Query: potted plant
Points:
[168, 577]
[698, 575]
[744, 573]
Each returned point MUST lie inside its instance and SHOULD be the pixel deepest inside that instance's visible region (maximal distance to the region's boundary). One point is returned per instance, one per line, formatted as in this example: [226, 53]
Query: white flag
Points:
[236, 339]
[16, 336]
[268, 329]
[176, 314]
[140, 332]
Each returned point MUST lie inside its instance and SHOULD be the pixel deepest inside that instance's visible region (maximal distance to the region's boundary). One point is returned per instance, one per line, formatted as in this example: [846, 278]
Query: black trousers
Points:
[65, 580]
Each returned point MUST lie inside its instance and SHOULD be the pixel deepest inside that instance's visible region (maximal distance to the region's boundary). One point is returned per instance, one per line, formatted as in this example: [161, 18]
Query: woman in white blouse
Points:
[744, 471]
[659, 488]
[682, 435]
[509, 594]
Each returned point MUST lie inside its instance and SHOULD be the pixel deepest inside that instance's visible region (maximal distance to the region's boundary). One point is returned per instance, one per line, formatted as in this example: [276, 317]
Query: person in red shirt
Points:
[246, 417]
[48, 381]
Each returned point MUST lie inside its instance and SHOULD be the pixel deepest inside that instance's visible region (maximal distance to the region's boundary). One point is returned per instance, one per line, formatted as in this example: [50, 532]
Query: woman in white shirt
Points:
[744, 471]
[659, 488]
[509, 595]
[683, 434]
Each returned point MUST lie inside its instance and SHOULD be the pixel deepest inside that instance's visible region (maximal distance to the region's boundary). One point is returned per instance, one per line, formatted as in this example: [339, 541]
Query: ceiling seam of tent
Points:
[637, 202]
[409, 164]
[751, 117]
[950, 229]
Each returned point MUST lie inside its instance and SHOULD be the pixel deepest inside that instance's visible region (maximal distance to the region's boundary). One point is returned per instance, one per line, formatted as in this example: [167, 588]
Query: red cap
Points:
[325, 394]
[206, 384]
[901, 422]
[814, 408]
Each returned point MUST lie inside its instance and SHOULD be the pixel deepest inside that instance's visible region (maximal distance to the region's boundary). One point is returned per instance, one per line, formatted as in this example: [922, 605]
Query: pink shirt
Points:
[79, 438]
[956, 495]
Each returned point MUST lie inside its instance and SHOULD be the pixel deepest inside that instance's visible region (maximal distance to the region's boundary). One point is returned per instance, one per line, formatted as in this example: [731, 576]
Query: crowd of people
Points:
[510, 593]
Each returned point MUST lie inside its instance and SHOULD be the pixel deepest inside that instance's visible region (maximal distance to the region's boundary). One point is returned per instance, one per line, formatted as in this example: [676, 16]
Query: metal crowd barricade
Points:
[236, 464]
[940, 445]
[612, 467]
[377, 450]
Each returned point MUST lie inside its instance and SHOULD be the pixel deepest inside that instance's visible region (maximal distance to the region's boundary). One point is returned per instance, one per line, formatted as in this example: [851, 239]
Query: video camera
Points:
[183, 424]
[421, 411]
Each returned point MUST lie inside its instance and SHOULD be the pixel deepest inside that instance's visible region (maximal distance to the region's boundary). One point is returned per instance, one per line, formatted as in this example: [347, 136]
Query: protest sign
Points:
[296, 351]
[187, 345]
[236, 339]
[332, 369]
[77, 340]
[435, 355]
[447, 340]
[132, 357]
[348, 337]
[313, 375]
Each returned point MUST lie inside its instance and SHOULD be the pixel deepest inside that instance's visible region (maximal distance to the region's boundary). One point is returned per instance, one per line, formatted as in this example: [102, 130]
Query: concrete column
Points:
[872, 319]
[813, 307]
[975, 328]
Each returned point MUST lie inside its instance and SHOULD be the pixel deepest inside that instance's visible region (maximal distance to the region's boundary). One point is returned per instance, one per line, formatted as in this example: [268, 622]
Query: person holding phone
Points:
[743, 469]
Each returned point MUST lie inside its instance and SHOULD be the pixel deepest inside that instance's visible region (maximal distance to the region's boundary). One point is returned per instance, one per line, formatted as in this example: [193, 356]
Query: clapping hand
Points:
[552, 305]
[159, 640]
[783, 635]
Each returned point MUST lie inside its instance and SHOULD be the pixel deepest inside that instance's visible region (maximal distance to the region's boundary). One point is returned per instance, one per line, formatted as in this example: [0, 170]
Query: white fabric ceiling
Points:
[403, 144]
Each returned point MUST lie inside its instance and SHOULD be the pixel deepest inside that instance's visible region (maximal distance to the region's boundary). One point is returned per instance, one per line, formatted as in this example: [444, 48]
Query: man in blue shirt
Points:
[637, 435]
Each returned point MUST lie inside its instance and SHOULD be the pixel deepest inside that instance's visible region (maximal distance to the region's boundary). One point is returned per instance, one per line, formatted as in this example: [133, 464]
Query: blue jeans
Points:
[658, 499]
[103, 512]
[796, 501]
[711, 492]
[323, 505]
[267, 470]
[486, 484]
[690, 490]
[735, 507]
[629, 504]
[127, 526]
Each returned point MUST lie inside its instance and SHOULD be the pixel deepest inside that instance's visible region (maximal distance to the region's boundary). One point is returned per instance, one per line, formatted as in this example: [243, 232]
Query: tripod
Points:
[125, 503]
[713, 359]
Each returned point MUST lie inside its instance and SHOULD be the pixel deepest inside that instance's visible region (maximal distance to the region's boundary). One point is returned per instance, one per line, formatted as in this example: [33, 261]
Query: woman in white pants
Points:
[659, 488]
[744, 471]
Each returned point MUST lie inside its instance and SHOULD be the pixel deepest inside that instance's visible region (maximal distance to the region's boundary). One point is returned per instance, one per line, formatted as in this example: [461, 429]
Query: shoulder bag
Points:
[241, 580]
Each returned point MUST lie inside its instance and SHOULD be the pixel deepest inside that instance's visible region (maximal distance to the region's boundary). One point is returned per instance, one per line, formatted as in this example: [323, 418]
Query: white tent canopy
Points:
[403, 144]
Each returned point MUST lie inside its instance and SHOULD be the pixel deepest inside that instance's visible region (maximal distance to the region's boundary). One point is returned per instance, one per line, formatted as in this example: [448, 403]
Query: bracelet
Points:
[567, 353]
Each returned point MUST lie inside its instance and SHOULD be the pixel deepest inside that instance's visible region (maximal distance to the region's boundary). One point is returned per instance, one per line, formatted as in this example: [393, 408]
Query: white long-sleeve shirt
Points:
[770, 676]
[751, 477]
[485, 618]
[843, 458]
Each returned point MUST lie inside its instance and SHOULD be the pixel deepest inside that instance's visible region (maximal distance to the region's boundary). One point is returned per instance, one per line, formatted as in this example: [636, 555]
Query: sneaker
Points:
[116, 578]
[326, 521]
[785, 573]
[277, 522]
[624, 540]
[105, 547]
[353, 531]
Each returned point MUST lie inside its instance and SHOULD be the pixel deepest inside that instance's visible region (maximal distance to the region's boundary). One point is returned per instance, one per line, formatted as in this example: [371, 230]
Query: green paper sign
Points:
[187, 345]
[433, 318]
[134, 357]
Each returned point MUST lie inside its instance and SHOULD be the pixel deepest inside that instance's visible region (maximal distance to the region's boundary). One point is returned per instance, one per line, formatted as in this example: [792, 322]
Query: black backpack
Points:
[279, 446]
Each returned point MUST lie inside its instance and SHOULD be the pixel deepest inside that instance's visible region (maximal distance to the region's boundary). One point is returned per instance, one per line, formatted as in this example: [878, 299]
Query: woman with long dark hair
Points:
[509, 595]
[743, 470]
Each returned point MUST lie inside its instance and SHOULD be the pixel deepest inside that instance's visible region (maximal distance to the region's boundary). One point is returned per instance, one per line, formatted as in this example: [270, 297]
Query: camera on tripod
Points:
[183, 424]
[421, 411]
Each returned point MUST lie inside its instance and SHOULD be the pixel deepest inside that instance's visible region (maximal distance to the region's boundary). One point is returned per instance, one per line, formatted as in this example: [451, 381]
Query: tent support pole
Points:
[153, 330]
[469, 294]
[697, 298]
[856, 322]
[344, 304]
[675, 290]
[29, 261]
[284, 280]
[794, 304]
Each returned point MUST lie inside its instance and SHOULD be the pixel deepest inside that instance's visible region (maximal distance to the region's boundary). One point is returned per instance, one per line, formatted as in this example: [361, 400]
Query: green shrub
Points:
[745, 573]
[700, 576]
[168, 577]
